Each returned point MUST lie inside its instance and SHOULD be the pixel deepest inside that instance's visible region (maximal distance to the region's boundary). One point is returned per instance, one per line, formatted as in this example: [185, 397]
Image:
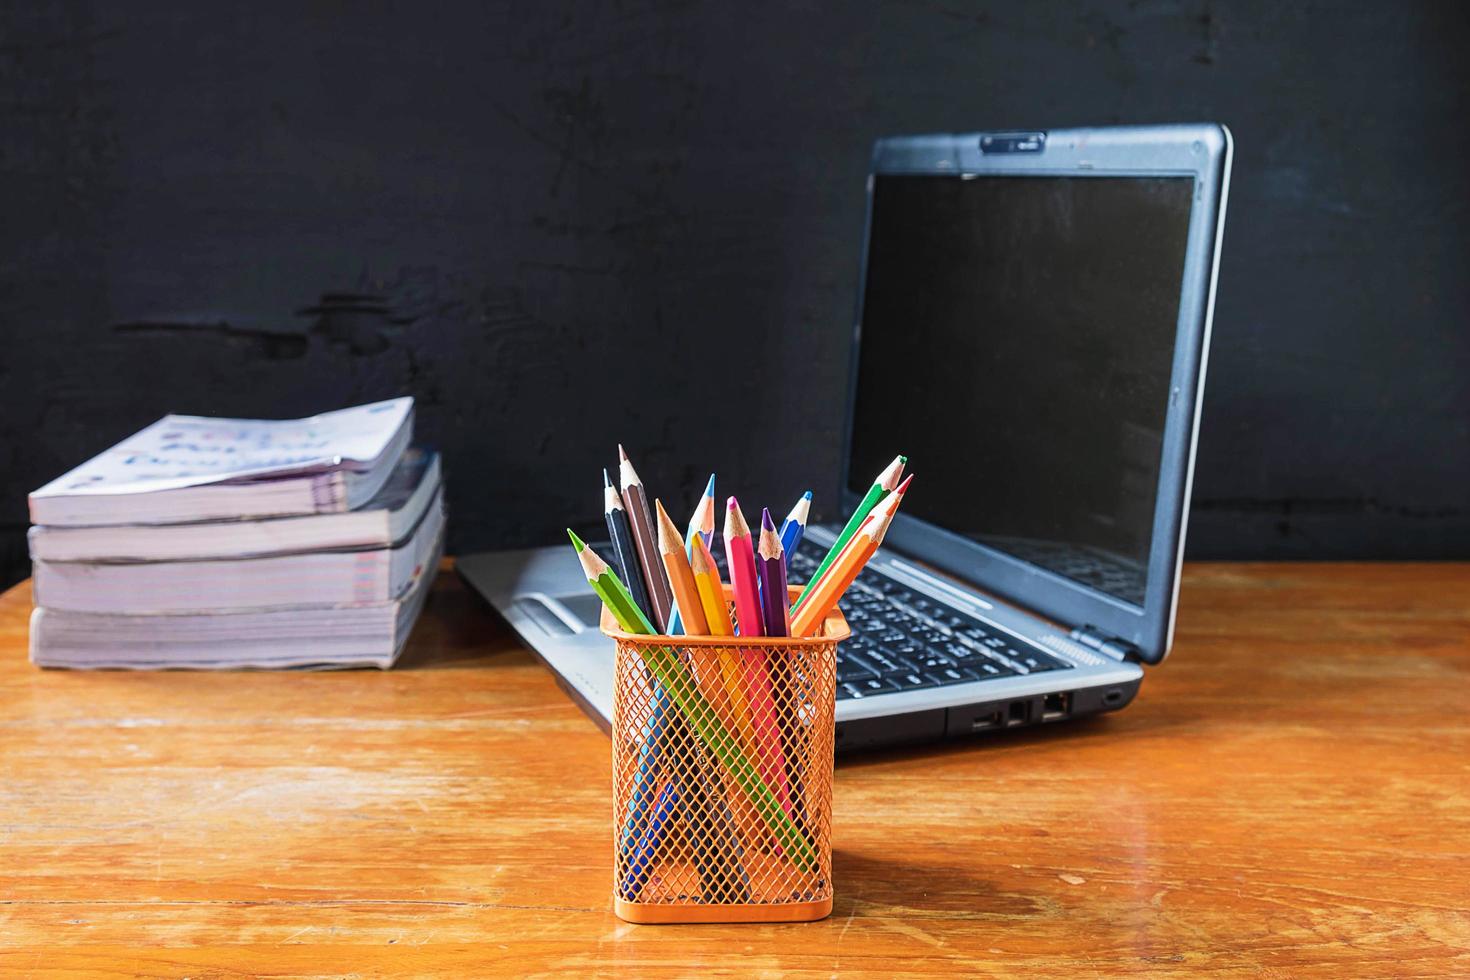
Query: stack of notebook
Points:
[202, 542]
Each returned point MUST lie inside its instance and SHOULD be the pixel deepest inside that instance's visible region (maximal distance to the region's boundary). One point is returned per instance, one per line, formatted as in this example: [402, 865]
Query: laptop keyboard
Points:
[903, 640]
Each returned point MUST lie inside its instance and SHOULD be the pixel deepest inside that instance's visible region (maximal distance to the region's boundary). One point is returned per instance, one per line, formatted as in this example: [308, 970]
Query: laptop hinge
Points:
[1105, 643]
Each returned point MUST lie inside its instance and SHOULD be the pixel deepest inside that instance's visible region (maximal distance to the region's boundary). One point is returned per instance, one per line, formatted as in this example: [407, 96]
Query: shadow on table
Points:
[1081, 729]
[459, 629]
[864, 885]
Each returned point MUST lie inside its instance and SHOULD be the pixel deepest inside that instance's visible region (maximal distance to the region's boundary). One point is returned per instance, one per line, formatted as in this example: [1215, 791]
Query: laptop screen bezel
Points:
[1200, 151]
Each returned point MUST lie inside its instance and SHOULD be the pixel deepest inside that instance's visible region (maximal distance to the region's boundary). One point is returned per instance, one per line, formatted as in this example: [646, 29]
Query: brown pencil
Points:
[645, 541]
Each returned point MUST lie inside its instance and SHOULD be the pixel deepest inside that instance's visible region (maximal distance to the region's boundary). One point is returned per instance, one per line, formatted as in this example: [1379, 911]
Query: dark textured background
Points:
[290, 207]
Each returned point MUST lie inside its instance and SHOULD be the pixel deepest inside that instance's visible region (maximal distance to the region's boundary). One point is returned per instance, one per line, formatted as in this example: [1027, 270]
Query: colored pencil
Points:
[709, 679]
[672, 675]
[884, 484]
[610, 589]
[702, 521]
[650, 759]
[770, 569]
[741, 558]
[641, 797]
[717, 618]
[809, 611]
[645, 776]
[640, 864]
[624, 550]
[671, 550]
[640, 517]
[794, 526]
[731, 664]
[701, 524]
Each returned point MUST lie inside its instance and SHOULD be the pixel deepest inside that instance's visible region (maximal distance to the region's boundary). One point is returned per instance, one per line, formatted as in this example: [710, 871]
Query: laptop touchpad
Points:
[586, 606]
[563, 615]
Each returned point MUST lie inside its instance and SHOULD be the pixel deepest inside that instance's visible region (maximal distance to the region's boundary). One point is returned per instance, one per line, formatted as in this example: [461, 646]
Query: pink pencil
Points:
[741, 556]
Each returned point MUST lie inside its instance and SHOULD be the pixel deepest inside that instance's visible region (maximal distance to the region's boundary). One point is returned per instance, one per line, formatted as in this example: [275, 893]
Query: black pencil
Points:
[623, 548]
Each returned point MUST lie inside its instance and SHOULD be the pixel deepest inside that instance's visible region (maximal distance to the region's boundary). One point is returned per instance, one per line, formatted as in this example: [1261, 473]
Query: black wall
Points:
[278, 211]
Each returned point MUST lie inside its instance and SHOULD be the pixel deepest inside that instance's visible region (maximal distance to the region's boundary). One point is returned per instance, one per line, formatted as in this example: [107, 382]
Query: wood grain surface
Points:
[1289, 796]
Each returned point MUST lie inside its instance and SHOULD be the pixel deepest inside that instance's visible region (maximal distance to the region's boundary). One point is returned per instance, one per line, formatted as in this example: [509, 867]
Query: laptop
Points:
[1032, 333]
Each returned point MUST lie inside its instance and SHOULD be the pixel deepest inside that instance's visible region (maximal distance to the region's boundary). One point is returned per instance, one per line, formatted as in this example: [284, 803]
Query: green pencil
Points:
[674, 677]
[881, 487]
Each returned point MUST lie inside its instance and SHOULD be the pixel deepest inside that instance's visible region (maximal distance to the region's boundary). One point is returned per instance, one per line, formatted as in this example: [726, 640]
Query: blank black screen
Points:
[1017, 343]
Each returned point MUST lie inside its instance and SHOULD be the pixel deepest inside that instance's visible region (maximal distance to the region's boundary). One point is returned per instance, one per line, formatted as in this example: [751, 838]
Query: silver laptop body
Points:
[1032, 332]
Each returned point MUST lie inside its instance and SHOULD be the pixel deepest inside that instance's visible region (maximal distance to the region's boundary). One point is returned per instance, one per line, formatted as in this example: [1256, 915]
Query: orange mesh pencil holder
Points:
[722, 776]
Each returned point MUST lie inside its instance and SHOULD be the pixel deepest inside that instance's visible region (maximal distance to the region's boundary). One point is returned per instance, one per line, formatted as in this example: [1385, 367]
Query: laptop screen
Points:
[1017, 342]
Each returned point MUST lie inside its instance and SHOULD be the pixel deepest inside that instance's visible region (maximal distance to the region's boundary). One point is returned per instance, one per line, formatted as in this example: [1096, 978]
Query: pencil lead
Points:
[766, 523]
[606, 480]
[709, 488]
[577, 542]
[805, 496]
[622, 453]
[903, 487]
[732, 504]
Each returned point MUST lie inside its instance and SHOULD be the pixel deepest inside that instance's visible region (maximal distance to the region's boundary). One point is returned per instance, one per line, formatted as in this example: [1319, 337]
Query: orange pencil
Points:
[813, 607]
[717, 617]
[731, 703]
[681, 577]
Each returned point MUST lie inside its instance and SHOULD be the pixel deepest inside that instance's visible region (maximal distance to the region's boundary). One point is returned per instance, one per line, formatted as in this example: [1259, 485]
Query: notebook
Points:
[361, 635]
[189, 468]
[385, 519]
[315, 578]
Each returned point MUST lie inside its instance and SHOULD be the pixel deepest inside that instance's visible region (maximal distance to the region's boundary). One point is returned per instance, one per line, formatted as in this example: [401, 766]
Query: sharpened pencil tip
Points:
[606, 480]
[807, 495]
[577, 542]
[905, 484]
[902, 459]
[732, 504]
[622, 453]
[709, 488]
[766, 523]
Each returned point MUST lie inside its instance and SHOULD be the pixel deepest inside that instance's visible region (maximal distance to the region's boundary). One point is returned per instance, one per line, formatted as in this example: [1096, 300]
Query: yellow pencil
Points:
[717, 616]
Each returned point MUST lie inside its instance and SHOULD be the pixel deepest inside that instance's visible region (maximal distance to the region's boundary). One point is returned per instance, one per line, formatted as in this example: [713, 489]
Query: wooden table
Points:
[1289, 796]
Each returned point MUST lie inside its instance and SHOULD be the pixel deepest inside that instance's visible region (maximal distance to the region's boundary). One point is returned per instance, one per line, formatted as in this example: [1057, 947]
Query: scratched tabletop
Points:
[1289, 796]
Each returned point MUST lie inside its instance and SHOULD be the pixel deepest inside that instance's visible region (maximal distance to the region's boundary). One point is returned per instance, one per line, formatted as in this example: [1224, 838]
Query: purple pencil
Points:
[770, 571]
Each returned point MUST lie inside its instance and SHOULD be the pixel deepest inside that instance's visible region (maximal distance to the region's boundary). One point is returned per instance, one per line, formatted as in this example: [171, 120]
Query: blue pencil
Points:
[701, 522]
[640, 865]
[795, 526]
[641, 799]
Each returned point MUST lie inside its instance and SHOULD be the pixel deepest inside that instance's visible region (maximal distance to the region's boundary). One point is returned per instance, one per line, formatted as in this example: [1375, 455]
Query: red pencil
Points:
[741, 557]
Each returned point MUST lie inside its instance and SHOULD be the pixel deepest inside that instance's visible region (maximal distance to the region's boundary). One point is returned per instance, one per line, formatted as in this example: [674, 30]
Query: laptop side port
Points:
[1055, 707]
[1018, 713]
[986, 721]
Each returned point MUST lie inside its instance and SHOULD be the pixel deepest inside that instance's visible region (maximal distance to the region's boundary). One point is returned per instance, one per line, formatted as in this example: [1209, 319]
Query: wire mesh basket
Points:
[722, 776]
